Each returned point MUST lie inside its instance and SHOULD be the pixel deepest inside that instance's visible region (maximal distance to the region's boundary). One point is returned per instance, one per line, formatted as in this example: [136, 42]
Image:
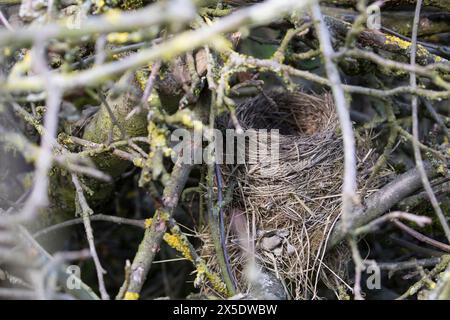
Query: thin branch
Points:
[392, 216]
[147, 90]
[84, 292]
[5, 21]
[114, 21]
[96, 217]
[349, 197]
[38, 198]
[186, 41]
[415, 129]
[421, 237]
[398, 266]
[437, 117]
[85, 212]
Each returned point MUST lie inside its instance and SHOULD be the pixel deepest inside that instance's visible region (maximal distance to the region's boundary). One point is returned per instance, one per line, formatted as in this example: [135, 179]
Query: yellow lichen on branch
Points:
[423, 55]
[123, 37]
[179, 242]
[217, 283]
[131, 296]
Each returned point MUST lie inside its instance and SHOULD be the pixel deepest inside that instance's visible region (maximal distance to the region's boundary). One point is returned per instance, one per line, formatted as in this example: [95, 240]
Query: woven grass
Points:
[283, 213]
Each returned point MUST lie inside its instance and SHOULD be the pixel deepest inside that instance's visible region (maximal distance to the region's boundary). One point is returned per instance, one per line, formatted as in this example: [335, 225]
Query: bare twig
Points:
[349, 197]
[85, 212]
[82, 292]
[5, 21]
[421, 237]
[398, 266]
[415, 129]
[38, 197]
[97, 217]
[147, 90]
[215, 212]
[392, 216]
[437, 117]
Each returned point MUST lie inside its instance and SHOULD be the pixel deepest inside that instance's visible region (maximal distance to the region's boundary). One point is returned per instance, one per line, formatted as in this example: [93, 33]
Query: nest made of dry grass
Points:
[290, 207]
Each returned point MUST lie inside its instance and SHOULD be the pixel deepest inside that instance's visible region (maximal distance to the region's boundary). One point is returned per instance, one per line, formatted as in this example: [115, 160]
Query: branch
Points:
[82, 293]
[413, 233]
[97, 217]
[415, 129]
[186, 41]
[286, 70]
[349, 197]
[392, 216]
[85, 211]
[383, 200]
[153, 236]
[113, 21]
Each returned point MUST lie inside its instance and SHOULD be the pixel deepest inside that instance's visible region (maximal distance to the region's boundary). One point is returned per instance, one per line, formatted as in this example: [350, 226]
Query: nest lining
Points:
[294, 203]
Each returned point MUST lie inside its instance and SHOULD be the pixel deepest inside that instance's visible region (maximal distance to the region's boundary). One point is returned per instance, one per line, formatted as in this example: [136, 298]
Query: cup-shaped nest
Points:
[283, 211]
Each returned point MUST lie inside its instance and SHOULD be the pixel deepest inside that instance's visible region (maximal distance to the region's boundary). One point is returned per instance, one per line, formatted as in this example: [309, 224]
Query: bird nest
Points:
[283, 213]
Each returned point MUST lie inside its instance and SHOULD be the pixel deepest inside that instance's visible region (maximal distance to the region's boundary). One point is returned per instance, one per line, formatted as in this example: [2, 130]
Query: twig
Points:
[419, 284]
[415, 247]
[48, 277]
[359, 267]
[12, 279]
[215, 218]
[428, 71]
[421, 237]
[425, 148]
[280, 54]
[349, 197]
[398, 266]
[66, 160]
[437, 117]
[5, 22]
[84, 292]
[282, 70]
[97, 148]
[150, 83]
[415, 129]
[127, 270]
[38, 197]
[85, 211]
[97, 217]
[392, 216]
[147, 90]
